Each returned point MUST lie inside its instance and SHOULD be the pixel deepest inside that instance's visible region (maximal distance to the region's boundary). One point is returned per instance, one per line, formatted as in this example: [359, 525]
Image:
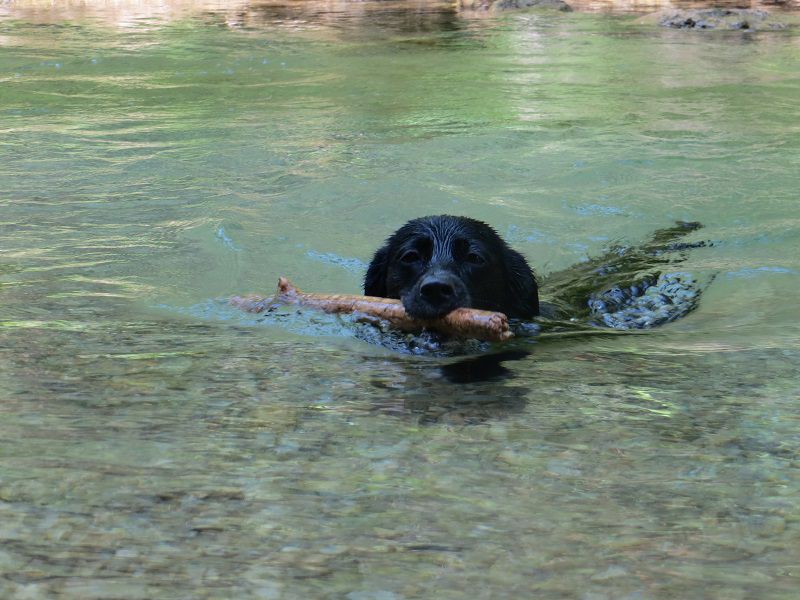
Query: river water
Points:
[154, 443]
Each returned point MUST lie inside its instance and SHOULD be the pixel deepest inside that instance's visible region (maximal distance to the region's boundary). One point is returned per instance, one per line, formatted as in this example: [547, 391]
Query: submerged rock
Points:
[719, 18]
[521, 4]
[504, 5]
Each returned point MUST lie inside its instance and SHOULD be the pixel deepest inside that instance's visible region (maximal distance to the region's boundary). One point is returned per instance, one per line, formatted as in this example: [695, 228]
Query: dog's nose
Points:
[437, 291]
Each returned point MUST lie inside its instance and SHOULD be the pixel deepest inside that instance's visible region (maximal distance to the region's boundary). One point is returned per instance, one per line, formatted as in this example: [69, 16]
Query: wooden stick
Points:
[462, 322]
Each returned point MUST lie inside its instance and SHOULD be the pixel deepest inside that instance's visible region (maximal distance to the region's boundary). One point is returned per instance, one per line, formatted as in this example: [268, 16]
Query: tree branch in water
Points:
[462, 322]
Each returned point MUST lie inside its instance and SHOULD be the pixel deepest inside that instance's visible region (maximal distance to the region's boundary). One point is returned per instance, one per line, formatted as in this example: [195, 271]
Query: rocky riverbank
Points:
[726, 15]
[720, 18]
[683, 14]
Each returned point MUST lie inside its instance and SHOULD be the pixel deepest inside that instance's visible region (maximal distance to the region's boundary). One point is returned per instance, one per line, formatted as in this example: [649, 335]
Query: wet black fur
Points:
[464, 257]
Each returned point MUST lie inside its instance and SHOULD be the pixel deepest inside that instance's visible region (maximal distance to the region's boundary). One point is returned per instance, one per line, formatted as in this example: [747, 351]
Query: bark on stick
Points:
[462, 322]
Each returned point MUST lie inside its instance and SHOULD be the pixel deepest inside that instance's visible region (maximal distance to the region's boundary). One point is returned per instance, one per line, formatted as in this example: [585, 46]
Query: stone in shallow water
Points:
[610, 573]
[521, 4]
[766, 526]
[504, 5]
[720, 18]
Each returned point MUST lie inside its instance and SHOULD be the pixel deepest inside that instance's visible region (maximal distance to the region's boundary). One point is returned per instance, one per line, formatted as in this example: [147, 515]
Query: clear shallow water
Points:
[155, 444]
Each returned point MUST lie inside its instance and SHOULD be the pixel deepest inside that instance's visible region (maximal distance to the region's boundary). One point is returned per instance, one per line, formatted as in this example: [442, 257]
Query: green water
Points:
[156, 444]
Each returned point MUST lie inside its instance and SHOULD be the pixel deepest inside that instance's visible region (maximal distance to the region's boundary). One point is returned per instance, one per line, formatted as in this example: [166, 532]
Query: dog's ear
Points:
[375, 279]
[522, 292]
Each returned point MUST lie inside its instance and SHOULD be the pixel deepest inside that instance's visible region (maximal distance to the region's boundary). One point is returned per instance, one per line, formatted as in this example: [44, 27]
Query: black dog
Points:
[436, 264]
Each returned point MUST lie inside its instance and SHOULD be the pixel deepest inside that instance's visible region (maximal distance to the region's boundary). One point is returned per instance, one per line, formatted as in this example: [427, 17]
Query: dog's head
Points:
[437, 264]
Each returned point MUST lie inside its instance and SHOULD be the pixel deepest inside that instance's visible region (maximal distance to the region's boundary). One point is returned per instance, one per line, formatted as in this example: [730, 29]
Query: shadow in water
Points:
[466, 391]
[488, 367]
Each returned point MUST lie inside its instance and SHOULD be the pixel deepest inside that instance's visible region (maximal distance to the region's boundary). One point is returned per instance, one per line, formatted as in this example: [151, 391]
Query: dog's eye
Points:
[410, 257]
[474, 258]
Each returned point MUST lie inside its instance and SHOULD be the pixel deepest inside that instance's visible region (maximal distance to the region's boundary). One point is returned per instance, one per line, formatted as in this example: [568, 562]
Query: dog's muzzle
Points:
[435, 295]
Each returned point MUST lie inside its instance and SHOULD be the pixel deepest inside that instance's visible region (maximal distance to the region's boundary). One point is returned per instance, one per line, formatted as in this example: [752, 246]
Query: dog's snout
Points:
[436, 294]
[437, 290]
